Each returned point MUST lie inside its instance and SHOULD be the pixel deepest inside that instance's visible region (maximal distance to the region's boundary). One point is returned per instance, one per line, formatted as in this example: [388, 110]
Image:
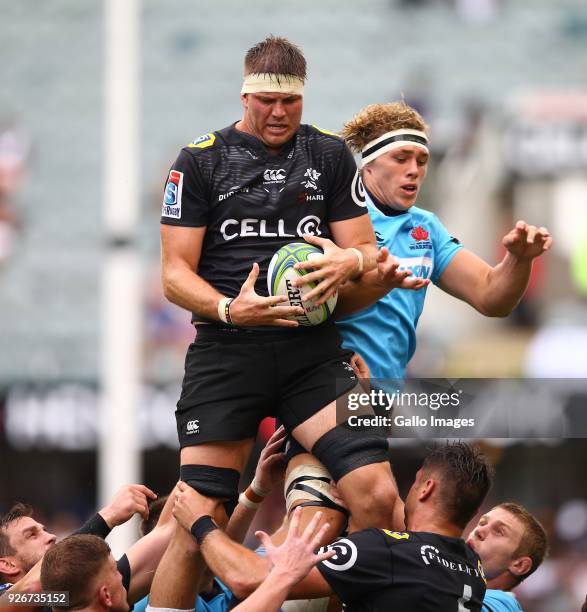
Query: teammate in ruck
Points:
[393, 142]
[233, 197]
[428, 568]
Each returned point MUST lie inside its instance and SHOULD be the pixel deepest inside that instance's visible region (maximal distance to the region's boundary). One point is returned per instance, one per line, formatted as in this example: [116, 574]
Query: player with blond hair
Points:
[380, 324]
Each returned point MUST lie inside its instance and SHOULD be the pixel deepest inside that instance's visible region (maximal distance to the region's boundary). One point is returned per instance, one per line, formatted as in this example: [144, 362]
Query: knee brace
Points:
[213, 482]
[343, 450]
[310, 483]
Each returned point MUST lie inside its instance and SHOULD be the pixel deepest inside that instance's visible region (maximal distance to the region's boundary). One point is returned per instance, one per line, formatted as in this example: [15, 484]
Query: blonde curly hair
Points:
[377, 119]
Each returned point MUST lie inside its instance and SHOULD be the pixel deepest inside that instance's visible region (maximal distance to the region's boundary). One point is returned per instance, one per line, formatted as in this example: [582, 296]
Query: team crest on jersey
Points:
[421, 237]
[172, 195]
[207, 140]
[345, 557]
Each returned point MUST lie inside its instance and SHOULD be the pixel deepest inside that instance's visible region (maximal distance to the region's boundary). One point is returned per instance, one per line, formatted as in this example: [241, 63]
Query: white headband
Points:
[269, 82]
[393, 140]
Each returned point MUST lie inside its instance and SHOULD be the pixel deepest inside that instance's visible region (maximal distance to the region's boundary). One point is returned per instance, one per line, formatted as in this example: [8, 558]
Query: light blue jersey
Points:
[385, 333]
[221, 602]
[500, 601]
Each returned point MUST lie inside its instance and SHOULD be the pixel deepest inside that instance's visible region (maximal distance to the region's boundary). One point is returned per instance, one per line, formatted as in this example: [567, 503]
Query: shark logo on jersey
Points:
[345, 557]
[172, 196]
[311, 180]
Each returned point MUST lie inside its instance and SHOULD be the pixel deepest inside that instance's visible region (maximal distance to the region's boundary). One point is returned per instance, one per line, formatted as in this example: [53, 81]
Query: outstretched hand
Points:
[249, 308]
[296, 556]
[129, 500]
[271, 466]
[391, 277]
[527, 241]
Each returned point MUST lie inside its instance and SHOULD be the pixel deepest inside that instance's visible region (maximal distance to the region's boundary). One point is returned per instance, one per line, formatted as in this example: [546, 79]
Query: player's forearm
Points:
[185, 288]
[238, 567]
[505, 286]
[269, 596]
[356, 295]
[239, 522]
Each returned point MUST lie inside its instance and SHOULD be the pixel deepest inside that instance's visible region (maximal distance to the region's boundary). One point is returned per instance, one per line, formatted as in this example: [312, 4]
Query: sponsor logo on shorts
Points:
[192, 427]
[172, 196]
[345, 557]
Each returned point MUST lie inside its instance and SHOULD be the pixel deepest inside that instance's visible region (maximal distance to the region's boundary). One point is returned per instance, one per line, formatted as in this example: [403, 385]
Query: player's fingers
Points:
[325, 555]
[276, 458]
[252, 277]
[382, 255]
[181, 485]
[272, 300]
[319, 537]
[547, 244]
[312, 526]
[280, 312]
[311, 277]
[312, 264]
[294, 522]
[531, 234]
[145, 491]
[521, 225]
[283, 323]
[317, 241]
[263, 538]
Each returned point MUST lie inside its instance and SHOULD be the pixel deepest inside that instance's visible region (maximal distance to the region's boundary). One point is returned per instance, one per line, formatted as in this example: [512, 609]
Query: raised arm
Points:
[496, 291]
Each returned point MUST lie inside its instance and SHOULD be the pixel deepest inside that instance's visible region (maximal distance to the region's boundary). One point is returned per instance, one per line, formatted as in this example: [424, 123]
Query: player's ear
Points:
[104, 596]
[426, 489]
[520, 566]
[8, 567]
[245, 100]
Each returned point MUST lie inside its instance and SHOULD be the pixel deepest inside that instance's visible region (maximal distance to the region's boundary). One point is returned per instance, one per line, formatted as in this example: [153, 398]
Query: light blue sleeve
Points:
[445, 248]
[500, 601]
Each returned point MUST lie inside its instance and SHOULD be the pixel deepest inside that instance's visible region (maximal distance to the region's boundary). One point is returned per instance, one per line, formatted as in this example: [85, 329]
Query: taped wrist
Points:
[202, 527]
[221, 483]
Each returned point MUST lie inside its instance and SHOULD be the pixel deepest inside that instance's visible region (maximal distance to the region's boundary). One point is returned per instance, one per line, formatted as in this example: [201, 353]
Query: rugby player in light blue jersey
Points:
[511, 544]
[378, 323]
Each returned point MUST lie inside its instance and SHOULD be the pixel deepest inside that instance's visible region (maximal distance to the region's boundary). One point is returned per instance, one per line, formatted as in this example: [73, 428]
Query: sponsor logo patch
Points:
[358, 190]
[421, 237]
[172, 196]
[421, 267]
[192, 427]
[207, 140]
[345, 557]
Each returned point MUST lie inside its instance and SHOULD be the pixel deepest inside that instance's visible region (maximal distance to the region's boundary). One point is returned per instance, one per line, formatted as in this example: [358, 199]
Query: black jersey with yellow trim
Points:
[376, 570]
[253, 202]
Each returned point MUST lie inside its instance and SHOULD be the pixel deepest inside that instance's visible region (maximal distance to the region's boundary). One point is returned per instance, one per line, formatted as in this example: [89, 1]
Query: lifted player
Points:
[233, 197]
[393, 142]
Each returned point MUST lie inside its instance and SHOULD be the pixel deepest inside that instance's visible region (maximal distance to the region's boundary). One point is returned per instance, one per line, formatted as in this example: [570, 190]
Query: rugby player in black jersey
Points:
[232, 198]
[427, 568]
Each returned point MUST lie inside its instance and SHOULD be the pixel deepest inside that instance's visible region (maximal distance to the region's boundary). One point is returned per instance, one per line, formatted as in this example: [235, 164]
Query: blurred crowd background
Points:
[503, 86]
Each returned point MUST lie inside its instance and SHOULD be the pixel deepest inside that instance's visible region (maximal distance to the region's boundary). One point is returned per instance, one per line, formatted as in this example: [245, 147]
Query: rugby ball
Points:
[281, 273]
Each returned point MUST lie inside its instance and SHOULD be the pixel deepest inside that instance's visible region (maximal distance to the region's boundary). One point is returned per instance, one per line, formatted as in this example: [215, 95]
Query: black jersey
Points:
[253, 203]
[377, 570]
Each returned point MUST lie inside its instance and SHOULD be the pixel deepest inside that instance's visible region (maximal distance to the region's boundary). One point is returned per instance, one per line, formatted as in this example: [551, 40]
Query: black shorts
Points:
[234, 378]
